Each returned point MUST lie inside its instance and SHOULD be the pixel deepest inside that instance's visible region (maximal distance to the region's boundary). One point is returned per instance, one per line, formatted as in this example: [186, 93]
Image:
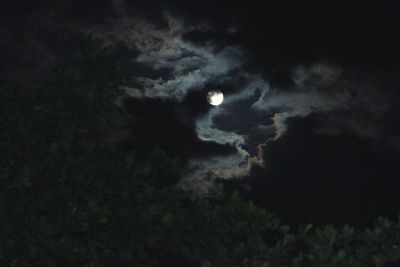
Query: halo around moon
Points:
[215, 97]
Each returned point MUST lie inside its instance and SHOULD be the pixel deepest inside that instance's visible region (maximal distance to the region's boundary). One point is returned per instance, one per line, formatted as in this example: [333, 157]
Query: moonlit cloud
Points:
[207, 132]
[202, 172]
[252, 114]
[189, 66]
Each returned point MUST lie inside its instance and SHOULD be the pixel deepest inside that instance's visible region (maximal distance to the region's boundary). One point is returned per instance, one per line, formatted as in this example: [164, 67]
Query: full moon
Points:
[215, 97]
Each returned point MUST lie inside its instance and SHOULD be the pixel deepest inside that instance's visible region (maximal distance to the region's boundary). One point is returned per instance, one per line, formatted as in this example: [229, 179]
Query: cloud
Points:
[348, 101]
[188, 66]
[252, 113]
[206, 132]
[202, 172]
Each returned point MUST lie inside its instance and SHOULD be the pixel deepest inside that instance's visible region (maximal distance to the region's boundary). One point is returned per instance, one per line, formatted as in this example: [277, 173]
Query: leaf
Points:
[285, 228]
[341, 254]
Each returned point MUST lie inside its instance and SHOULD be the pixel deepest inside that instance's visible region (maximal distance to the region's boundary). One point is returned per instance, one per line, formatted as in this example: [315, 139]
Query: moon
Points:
[215, 97]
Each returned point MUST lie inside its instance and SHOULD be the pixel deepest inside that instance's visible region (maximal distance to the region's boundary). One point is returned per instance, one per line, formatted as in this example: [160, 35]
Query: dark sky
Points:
[309, 127]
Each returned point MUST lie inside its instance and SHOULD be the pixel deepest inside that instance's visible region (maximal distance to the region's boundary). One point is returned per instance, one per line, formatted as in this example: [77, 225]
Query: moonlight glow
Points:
[215, 97]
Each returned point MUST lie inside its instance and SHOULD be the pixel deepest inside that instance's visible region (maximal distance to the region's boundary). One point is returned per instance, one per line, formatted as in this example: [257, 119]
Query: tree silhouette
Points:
[67, 199]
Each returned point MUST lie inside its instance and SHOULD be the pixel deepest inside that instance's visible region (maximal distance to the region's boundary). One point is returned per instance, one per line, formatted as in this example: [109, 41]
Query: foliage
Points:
[66, 199]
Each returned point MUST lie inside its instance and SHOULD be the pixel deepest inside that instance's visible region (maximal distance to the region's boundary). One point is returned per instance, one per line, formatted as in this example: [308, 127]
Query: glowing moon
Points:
[215, 97]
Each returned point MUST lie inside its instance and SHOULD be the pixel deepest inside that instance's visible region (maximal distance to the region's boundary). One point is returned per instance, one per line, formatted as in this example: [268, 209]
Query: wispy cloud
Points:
[338, 94]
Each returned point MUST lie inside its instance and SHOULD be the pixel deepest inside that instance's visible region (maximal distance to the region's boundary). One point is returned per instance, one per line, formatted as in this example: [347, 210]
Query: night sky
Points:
[309, 127]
